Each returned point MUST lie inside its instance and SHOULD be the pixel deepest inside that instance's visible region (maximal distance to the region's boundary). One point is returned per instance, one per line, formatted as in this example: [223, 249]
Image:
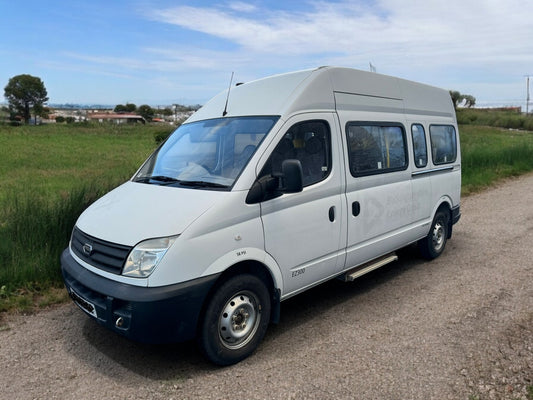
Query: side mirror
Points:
[292, 176]
[269, 187]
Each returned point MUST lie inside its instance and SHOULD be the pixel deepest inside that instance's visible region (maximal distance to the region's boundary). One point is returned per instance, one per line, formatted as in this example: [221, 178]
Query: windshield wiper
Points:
[160, 178]
[169, 180]
[203, 184]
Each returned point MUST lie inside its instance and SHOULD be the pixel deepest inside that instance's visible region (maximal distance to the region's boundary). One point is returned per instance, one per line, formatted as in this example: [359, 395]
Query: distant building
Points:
[117, 118]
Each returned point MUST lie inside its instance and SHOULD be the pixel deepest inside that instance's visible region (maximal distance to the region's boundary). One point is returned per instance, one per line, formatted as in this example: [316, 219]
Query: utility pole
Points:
[527, 94]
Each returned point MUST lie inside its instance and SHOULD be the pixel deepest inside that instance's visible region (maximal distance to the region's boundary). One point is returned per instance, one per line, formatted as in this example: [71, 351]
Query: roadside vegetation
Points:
[508, 119]
[51, 173]
[492, 154]
[495, 144]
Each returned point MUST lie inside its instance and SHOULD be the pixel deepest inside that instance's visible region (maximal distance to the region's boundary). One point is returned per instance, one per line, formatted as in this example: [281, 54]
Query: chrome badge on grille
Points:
[87, 249]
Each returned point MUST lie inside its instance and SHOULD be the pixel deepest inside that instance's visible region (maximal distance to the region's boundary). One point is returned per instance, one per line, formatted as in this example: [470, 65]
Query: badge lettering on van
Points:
[241, 253]
[298, 272]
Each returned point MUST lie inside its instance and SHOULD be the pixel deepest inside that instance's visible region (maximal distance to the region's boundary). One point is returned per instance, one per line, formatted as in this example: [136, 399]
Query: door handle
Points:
[332, 213]
[356, 208]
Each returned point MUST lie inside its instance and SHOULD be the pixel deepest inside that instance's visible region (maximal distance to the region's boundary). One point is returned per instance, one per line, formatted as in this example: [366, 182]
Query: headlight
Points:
[145, 256]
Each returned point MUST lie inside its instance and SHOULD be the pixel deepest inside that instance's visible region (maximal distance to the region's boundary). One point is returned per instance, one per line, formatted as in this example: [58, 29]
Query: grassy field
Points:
[507, 119]
[490, 154]
[49, 174]
[50, 160]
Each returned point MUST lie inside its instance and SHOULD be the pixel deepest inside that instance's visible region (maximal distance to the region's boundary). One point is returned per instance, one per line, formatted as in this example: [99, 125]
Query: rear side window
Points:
[419, 145]
[375, 148]
[443, 144]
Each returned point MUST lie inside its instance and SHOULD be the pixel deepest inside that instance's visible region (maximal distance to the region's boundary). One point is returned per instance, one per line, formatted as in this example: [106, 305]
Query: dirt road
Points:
[459, 327]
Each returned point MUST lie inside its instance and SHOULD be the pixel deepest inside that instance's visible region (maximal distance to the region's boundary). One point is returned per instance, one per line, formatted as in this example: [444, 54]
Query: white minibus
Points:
[273, 187]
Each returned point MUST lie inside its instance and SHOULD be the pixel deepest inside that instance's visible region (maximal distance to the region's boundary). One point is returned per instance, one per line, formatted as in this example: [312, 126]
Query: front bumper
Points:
[146, 314]
[456, 214]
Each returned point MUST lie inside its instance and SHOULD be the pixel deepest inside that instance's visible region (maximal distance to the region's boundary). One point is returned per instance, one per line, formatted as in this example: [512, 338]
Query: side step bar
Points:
[356, 272]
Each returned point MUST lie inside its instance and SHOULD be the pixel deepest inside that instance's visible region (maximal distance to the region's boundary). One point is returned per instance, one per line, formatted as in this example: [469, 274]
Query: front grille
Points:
[104, 255]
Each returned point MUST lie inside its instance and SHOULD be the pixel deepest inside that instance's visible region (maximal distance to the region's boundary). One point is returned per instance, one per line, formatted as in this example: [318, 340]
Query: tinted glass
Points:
[310, 143]
[419, 145]
[443, 144]
[376, 148]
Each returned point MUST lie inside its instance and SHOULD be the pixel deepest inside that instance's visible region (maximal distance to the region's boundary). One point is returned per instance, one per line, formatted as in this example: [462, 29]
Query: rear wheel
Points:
[434, 243]
[235, 320]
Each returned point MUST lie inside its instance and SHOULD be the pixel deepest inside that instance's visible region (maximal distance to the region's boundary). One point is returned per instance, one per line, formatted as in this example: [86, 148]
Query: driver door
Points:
[306, 232]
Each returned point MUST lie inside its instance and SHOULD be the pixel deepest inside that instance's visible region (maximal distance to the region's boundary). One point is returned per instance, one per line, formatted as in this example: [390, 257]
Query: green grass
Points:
[491, 154]
[495, 118]
[50, 174]
[51, 159]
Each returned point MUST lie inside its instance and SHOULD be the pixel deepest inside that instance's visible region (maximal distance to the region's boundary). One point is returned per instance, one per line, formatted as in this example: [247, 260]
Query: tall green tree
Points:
[466, 100]
[146, 112]
[121, 108]
[26, 93]
[130, 107]
[456, 96]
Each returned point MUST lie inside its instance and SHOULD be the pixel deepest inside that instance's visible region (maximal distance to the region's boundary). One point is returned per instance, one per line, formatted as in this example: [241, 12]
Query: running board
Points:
[356, 272]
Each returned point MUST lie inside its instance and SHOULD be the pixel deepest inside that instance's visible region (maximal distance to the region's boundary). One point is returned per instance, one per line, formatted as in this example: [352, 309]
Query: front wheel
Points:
[434, 243]
[235, 320]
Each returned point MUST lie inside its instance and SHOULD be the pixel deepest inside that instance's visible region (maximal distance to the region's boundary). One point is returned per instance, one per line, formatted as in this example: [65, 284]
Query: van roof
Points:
[327, 89]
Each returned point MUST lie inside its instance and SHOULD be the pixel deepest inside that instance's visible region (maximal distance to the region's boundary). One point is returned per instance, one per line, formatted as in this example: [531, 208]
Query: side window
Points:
[375, 148]
[443, 144]
[419, 145]
[310, 143]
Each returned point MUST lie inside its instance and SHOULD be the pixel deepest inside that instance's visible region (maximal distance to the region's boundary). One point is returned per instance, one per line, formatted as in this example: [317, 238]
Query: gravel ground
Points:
[459, 327]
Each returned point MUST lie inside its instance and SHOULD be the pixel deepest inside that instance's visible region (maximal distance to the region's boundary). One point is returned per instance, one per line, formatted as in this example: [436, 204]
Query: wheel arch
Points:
[445, 205]
[252, 267]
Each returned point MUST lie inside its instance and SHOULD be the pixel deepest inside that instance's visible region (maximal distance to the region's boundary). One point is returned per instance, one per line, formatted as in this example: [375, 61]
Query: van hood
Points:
[137, 211]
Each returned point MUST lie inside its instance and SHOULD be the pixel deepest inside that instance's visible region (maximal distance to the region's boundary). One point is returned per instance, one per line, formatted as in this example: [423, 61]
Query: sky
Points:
[161, 52]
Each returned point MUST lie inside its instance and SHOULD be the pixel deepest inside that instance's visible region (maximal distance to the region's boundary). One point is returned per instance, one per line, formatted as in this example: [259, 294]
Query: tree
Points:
[130, 107]
[165, 112]
[24, 93]
[456, 97]
[146, 112]
[121, 108]
[464, 100]
[469, 101]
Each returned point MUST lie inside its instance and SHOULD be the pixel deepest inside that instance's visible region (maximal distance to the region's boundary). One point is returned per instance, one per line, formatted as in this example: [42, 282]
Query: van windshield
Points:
[206, 154]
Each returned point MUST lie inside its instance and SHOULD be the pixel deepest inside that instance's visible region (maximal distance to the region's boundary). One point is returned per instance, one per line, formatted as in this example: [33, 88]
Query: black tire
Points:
[235, 320]
[434, 243]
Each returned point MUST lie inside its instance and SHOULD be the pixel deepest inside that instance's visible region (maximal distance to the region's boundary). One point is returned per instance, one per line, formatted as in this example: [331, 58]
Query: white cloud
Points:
[474, 32]
[483, 47]
[241, 6]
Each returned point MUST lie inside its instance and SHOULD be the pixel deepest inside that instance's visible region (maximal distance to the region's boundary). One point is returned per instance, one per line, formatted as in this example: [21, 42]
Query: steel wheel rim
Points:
[438, 236]
[239, 320]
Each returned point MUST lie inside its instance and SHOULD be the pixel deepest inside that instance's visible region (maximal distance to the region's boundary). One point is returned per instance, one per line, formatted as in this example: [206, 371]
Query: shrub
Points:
[161, 135]
[497, 118]
[528, 123]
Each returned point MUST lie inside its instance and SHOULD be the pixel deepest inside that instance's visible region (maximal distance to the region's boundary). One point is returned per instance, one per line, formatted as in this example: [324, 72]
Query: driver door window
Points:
[310, 143]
